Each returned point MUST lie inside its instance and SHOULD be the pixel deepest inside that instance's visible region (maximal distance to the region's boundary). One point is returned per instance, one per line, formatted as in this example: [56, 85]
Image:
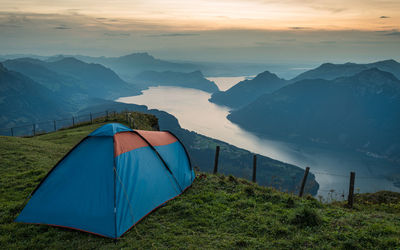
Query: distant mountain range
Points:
[330, 71]
[129, 66]
[71, 76]
[56, 88]
[169, 78]
[23, 100]
[247, 91]
[143, 70]
[358, 112]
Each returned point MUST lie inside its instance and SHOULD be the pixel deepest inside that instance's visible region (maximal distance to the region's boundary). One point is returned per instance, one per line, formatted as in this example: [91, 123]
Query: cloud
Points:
[299, 28]
[287, 40]
[12, 20]
[62, 27]
[262, 44]
[174, 35]
[396, 33]
[328, 42]
[384, 17]
[329, 9]
[116, 34]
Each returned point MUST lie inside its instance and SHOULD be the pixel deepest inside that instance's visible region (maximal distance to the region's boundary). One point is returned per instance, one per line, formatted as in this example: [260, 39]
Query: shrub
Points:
[306, 217]
[290, 203]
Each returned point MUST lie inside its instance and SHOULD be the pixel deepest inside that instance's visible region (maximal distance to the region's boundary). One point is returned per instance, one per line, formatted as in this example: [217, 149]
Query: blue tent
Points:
[110, 181]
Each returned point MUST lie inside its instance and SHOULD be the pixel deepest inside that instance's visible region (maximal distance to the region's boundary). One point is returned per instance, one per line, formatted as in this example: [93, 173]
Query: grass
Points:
[216, 212]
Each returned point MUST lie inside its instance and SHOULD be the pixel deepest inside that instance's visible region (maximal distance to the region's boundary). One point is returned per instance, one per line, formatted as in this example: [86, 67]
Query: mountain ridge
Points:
[22, 100]
[357, 112]
[247, 91]
[193, 79]
[330, 71]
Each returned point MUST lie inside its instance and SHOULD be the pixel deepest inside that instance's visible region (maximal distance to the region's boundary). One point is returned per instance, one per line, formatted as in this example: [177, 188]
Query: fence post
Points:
[55, 126]
[73, 121]
[12, 132]
[106, 115]
[34, 129]
[216, 160]
[91, 118]
[303, 182]
[254, 168]
[351, 190]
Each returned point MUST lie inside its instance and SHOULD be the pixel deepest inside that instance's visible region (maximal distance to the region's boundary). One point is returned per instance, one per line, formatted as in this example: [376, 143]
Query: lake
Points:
[331, 168]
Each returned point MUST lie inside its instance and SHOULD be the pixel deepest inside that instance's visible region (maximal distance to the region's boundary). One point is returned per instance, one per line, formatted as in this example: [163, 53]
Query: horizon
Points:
[316, 63]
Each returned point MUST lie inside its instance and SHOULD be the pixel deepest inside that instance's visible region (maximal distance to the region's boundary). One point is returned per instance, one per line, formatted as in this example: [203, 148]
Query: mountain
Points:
[194, 80]
[330, 71]
[359, 112]
[96, 79]
[247, 91]
[24, 100]
[72, 77]
[129, 66]
[38, 71]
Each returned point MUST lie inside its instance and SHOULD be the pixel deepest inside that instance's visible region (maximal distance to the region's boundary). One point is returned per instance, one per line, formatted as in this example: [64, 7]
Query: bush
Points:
[290, 203]
[306, 217]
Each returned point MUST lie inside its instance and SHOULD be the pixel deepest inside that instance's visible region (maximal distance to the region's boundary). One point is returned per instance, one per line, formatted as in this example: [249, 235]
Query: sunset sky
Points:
[218, 30]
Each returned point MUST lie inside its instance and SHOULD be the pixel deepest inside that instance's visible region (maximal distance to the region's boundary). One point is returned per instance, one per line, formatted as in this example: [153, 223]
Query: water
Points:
[331, 168]
[225, 83]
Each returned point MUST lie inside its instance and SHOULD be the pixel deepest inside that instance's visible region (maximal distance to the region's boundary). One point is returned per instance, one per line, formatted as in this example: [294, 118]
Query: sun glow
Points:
[224, 14]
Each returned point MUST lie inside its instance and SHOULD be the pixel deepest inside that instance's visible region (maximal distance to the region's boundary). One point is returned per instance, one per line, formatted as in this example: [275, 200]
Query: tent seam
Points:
[160, 157]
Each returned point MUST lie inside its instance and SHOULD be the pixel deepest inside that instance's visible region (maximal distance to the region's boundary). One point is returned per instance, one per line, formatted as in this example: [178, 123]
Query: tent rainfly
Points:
[110, 181]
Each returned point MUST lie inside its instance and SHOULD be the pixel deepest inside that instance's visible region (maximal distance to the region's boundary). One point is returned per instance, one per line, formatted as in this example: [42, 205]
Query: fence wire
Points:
[41, 127]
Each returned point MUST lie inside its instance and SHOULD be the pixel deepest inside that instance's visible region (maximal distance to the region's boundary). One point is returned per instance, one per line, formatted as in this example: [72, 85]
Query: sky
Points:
[203, 30]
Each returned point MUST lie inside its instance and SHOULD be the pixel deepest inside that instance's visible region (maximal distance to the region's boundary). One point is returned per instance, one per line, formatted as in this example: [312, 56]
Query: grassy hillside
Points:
[216, 212]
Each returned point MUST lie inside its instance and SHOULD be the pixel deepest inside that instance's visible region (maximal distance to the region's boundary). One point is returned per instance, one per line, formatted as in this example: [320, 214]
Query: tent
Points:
[110, 181]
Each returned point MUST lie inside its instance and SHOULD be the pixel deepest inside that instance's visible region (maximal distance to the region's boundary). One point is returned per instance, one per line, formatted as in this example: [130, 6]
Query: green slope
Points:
[216, 212]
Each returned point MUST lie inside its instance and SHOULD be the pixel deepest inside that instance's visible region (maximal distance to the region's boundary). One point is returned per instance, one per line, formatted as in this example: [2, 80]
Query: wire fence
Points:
[43, 127]
[346, 185]
[327, 195]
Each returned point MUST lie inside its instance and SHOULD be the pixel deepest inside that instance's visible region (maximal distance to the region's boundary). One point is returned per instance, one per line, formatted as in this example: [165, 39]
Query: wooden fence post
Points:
[254, 168]
[12, 132]
[55, 126]
[216, 160]
[73, 121]
[130, 121]
[34, 129]
[351, 190]
[106, 115]
[303, 182]
[91, 118]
